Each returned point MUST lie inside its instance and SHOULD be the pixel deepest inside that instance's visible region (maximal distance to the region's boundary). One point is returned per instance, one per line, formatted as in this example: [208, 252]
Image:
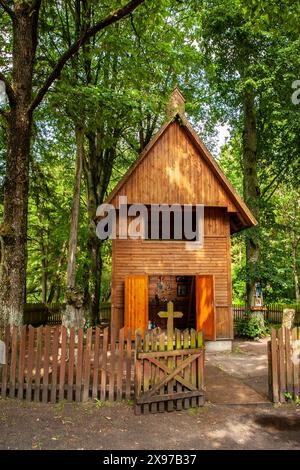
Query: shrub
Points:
[251, 326]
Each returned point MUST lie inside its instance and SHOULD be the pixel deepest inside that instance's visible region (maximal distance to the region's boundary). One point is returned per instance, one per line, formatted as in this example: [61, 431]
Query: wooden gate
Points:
[169, 368]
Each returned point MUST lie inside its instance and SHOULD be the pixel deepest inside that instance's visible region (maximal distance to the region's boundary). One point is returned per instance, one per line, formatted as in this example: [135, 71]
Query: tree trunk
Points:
[251, 193]
[13, 230]
[295, 272]
[74, 299]
[44, 274]
[98, 170]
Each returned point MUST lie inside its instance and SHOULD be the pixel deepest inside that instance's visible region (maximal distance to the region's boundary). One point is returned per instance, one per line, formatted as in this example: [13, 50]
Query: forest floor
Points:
[237, 415]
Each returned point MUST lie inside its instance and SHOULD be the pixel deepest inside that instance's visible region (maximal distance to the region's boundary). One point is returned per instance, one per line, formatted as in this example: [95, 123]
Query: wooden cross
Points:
[170, 315]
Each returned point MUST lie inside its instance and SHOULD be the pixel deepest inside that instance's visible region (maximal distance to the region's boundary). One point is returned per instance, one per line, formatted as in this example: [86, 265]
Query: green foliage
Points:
[251, 326]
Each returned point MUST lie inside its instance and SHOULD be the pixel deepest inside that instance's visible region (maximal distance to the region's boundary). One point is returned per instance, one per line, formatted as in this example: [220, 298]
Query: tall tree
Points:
[25, 34]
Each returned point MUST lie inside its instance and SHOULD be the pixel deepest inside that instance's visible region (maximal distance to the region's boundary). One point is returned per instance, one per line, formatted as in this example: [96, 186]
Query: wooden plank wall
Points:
[171, 258]
[174, 172]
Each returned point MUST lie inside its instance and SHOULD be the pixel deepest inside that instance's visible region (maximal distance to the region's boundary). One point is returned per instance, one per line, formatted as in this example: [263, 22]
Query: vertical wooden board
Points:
[137, 373]
[71, 365]
[111, 386]
[29, 374]
[274, 354]
[21, 370]
[146, 371]
[161, 404]
[120, 365]
[154, 371]
[282, 366]
[200, 362]
[37, 377]
[13, 362]
[79, 365]
[178, 362]
[186, 374]
[128, 364]
[289, 364]
[5, 368]
[62, 372]
[136, 302]
[96, 364]
[270, 378]
[193, 366]
[46, 364]
[87, 365]
[104, 365]
[205, 306]
[53, 394]
[295, 353]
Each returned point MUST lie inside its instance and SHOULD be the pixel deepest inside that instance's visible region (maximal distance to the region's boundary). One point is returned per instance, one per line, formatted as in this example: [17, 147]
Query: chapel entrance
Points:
[193, 295]
[181, 291]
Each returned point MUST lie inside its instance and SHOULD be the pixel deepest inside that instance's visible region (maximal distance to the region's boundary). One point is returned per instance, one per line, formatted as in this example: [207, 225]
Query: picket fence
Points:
[51, 364]
[283, 363]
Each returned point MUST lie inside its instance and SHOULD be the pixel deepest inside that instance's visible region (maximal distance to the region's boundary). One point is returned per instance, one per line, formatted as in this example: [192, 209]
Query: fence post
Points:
[274, 366]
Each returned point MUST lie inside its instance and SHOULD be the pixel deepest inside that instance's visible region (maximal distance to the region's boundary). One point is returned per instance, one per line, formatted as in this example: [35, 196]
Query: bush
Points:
[251, 326]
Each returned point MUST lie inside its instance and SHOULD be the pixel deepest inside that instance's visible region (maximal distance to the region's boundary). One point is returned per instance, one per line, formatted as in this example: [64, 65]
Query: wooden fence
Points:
[49, 364]
[51, 314]
[169, 375]
[283, 364]
[272, 313]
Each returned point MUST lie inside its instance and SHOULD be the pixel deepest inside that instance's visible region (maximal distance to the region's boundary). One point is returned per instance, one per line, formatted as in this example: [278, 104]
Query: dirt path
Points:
[239, 377]
[71, 426]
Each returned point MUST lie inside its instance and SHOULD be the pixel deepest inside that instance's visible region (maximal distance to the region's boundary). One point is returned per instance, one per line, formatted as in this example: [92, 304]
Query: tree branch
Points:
[74, 48]
[7, 8]
[8, 88]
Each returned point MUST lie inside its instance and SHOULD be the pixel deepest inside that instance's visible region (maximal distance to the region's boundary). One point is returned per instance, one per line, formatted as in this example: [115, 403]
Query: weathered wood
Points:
[128, 363]
[13, 362]
[154, 346]
[147, 369]
[37, 377]
[30, 363]
[172, 396]
[120, 365]
[104, 365]
[161, 406]
[175, 352]
[87, 365]
[274, 356]
[177, 364]
[53, 395]
[71, 365]
[112, 365]
[5, 368]
[79, 359]
[296, 376]
[282, 368]
[62, 372]
[22, 363]
[289, 364]
[193, 366]
[137, 376]
[186, 374]
[46, 364]
[96, 364]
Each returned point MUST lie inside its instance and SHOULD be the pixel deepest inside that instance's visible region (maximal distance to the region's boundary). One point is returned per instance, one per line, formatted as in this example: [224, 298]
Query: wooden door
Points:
[136, 302]
[205, 306]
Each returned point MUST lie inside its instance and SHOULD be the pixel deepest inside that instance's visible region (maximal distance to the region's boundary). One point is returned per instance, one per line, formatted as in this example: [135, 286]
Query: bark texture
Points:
[73, 315]
[251, 193]
[13, 230]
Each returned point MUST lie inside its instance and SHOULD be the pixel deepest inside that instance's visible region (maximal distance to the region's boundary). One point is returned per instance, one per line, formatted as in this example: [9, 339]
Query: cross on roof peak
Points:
[176, 102]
